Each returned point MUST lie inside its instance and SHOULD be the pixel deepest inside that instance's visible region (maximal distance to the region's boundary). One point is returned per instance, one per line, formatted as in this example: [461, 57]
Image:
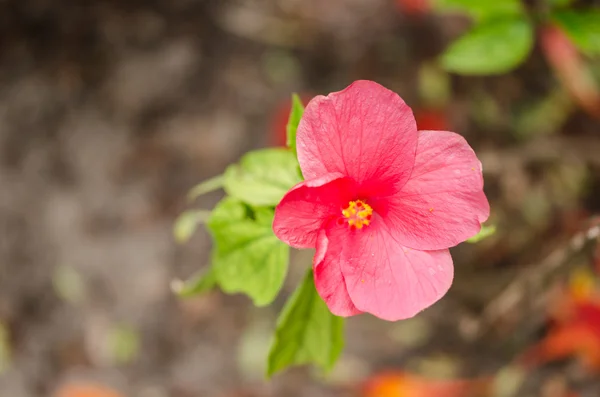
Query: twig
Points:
[526, 291]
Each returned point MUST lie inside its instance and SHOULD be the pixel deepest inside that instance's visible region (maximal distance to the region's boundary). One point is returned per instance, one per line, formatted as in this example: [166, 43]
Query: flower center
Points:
[357, 214]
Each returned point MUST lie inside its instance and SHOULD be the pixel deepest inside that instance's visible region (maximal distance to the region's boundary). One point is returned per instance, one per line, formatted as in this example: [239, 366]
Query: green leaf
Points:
[481, 9]
[68, 284]
[198, 284]
[292, 125]
[186, 223]
[207, 186]
[495, 47]
[247, 257]
[262, 177]
[434, 85]
[124, 342]
[306, 332]
[582, 27]
[5, 349]
[485, 232]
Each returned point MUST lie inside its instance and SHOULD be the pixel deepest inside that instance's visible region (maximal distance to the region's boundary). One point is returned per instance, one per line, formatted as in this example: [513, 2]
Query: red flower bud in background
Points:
[431, 119]
[414, 7]
[570, 68]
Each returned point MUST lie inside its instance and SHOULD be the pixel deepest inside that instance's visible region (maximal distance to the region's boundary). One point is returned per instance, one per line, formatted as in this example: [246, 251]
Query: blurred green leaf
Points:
[186, 223]
[481, 9]
[198, 284]
[544, 116]
[582, 27]
[68, 284]
[207, 186]
[280, 66]
[292, 125]
[5, 350]
[485, 232]
[247, 257]
[124, 343]
[508, 381]
[434, 85]
[306, 332]
[262, 177]
[495, 47]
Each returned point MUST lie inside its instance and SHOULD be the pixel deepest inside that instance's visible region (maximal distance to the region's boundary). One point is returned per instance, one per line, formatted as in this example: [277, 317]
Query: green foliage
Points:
[481, 9]
[5, 349]
[186, 224]
[582, 27]
[262, 177]
[207, 186]
[198, 284]
[124, 342]
[247, 257]
[494, 47]
[293, 121]
[434, 85]
[306, 332]
[485, 232]
[68, 284]
[544, 116]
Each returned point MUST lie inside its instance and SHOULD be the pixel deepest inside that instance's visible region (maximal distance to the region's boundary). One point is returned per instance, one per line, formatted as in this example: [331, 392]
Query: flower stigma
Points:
[357, 214]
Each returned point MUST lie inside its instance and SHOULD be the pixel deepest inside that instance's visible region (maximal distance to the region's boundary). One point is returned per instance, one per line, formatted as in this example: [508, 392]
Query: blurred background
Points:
[110, 111]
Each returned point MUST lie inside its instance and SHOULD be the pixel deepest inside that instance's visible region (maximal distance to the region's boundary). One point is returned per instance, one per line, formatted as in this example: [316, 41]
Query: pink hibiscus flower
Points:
[381, 203]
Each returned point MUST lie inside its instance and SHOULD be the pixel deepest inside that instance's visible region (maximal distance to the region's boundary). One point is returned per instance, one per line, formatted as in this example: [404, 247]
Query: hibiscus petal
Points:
[443, 203]
[365, 132]
[329, 281]
[383, 277]
[303, 211]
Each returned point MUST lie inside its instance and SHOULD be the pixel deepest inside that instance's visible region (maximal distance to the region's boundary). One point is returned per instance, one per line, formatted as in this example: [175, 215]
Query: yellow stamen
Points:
[358, 214]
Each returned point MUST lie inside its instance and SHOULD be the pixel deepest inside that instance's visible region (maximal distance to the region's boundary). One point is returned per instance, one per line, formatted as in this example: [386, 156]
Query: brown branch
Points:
[527, 292]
